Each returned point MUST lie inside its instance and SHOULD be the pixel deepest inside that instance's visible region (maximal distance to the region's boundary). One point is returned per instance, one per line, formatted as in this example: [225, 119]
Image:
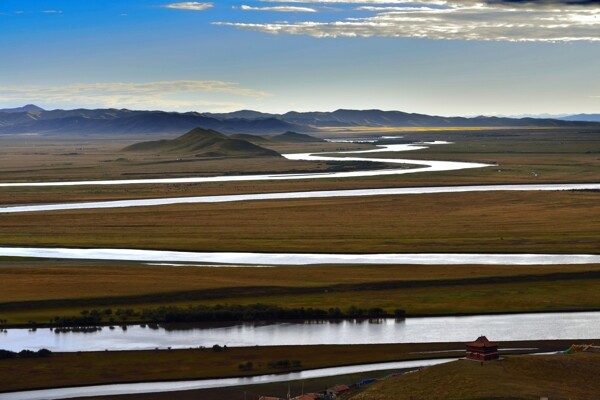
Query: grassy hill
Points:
[572, 377]
[287, 137]
[204, 143]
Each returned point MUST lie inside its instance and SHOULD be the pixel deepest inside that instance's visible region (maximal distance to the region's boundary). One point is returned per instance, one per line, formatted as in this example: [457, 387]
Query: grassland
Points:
[515, 377]
[39, 290]
[488, 222]
[510, 222]
[523, 156]
[88, 368]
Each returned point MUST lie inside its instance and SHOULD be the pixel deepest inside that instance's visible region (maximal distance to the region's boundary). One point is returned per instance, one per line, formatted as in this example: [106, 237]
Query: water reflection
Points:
[584, 325]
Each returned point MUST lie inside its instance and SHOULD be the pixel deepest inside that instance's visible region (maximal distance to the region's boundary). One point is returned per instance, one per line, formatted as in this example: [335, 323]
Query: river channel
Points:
[155, 387]
[505, 327]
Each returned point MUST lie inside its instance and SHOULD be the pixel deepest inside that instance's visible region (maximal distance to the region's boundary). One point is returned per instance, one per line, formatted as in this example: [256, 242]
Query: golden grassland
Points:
[55, 280]
[553, 295]
[562, 377]
[522, 155]
[41, 159]
[487, 222]
[89, 368]
[37, 291]
[509, 222]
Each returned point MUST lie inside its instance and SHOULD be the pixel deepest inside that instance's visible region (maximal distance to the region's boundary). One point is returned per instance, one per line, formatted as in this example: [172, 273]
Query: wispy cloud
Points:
[499, 20]
[163, 94]
[190, 5]
[52, 12]
[433, 2]
[278, 9]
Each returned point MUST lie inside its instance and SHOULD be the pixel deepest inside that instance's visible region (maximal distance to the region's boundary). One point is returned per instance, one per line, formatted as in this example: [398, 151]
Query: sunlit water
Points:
[290, 259]
[584, 325]
[424, 165]
[154, 387]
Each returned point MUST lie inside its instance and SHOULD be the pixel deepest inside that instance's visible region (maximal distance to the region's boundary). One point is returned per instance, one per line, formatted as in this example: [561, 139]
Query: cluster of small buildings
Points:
[329, 394]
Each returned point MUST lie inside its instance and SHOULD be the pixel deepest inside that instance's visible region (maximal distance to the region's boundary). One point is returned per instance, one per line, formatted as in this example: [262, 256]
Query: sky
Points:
[441, 57]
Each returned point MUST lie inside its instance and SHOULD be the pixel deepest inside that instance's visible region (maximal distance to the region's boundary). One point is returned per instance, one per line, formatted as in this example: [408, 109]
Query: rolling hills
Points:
[31, 119]
[204, 143]
[128, 122]
[380, 118]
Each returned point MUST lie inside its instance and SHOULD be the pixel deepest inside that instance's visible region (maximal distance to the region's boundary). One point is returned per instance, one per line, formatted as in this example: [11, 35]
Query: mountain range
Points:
[33, 119]
[582, 117]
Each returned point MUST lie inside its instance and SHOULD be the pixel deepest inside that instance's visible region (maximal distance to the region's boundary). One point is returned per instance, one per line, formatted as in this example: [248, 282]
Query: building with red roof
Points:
[482, 350]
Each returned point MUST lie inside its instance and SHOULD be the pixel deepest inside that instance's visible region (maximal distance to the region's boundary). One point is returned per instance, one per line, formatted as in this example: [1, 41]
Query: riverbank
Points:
[92, 368]
[529, 221]
[37, 291]
[572, 376]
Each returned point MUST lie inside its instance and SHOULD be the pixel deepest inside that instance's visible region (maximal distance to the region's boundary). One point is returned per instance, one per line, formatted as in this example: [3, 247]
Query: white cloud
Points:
[52, 12]
[190, 5]
[279, 9]
[438, 2]
[183, 94]
[454, 20]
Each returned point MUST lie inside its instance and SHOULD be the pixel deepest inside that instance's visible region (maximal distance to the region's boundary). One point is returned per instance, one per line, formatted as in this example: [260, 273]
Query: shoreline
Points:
[440, 351]
[224, 323]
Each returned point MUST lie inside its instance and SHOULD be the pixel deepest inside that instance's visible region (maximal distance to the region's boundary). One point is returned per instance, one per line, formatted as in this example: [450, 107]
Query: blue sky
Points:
[445, 57]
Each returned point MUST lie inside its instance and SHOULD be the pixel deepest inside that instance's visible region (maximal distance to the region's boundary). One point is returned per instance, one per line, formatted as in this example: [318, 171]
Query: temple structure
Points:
[482, 350]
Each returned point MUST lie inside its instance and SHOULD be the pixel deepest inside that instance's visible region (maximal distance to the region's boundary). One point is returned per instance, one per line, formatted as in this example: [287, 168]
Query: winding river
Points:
[297, 195]
[425, 166]
[155, 387]
[290, 259]
[412, 330]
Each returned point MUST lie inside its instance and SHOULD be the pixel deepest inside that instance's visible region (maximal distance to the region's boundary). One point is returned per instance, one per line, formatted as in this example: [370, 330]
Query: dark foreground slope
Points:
[572, 377]
[204, 143]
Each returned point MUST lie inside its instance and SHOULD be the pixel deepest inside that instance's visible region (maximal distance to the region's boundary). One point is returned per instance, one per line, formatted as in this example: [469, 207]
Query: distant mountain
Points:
[131, 122]
[113, 121]
[26, 108]
[204, 143]
[582, 117]
[247, 114]
[381, 118]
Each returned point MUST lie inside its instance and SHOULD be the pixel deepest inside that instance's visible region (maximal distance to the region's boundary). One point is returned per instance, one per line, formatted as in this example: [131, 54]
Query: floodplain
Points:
[36, 291]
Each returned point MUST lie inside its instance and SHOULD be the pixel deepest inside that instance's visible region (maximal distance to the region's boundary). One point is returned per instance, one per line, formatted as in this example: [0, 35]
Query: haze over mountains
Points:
[31, 119]
[583, 117]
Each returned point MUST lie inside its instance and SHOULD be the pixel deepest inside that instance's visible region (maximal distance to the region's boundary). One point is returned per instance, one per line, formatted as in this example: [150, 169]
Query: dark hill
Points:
[287, 137]
[121, 121]
[293, 137]
[26, 108]
[204, 143]
[250, 138]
